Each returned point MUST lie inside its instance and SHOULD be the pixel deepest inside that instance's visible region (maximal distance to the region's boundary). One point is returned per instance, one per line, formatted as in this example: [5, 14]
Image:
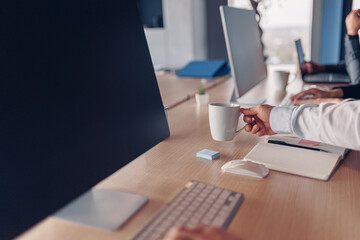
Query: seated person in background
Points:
[352, 52]
[351, 65]
[336, 124]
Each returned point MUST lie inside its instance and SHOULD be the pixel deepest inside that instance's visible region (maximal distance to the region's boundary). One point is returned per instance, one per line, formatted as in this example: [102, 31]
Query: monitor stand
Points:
[103, 209]
[242, 101]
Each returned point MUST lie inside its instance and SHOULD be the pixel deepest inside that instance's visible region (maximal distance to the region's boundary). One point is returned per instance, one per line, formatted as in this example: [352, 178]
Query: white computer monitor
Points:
[244, 50]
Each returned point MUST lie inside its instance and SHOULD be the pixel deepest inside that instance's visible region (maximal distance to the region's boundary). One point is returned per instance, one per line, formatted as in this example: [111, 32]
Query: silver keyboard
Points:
[197, 203]
[327, 78]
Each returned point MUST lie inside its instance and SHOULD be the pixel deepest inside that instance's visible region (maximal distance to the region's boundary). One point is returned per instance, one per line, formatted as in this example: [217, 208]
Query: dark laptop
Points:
[318, 77]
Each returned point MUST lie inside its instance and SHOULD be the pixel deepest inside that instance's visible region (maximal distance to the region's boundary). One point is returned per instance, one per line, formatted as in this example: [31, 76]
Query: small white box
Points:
[208, 154]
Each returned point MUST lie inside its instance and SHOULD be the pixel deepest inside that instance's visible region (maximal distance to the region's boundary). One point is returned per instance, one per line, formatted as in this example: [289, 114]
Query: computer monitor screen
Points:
[151, 13]
[300, 52]
[79, 100]
[244, 48]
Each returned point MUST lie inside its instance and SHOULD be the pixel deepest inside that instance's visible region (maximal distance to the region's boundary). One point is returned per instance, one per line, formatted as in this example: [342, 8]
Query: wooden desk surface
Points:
[176, 90]
[281, 206]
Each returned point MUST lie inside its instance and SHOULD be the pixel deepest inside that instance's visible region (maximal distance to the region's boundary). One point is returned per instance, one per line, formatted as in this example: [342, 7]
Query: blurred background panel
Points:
[179, 31]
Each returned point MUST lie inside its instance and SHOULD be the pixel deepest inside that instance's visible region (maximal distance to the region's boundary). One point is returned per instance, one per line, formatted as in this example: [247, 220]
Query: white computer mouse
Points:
[246, 168]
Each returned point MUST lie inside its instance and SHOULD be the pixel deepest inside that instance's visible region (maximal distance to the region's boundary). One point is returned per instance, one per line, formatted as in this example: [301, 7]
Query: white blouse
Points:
[336, 124]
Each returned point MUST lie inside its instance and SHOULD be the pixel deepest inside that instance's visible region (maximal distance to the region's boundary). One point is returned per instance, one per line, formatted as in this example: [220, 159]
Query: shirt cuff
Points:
[280, 119]
[350, 37]
[352, 46]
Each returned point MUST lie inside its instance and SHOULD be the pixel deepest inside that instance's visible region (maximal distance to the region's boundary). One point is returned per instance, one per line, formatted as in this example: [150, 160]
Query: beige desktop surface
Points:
[176, 90]
[281, 206]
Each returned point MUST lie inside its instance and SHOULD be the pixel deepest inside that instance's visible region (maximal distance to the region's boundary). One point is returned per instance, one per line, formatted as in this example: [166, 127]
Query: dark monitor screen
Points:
[78, 100]
[300, 52]
[151, 13]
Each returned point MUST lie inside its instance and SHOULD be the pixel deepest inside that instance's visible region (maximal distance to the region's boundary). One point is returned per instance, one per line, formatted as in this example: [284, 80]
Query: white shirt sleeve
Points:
[336, 124]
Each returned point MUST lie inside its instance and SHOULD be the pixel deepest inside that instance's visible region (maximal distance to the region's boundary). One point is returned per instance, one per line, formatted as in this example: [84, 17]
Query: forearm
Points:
[336, 68]
[352, 58]
[352, 91]
[336, 124]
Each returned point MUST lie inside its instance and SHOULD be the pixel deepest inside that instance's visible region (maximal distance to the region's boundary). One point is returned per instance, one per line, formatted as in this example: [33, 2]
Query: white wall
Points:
[184, 21]
[157, 42]
[316, 30]
[356, 4]
[183, 37]
[240, 4]
[192, 31]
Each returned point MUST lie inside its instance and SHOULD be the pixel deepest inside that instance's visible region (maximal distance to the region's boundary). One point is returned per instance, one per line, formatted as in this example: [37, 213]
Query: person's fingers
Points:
[299, 102]
[249, 111]
[216, 233]
[259, 123]
[197, 233]
[260, 133]
[304, 66]
[301, 94]
[248, 119]
[306, 101]
[187, 236]
[308, 67]
[250, 124]
[318, 101]
[309, 97]
[256, 126]
[255, 129]
[248, 128]
[196, 229]
[184, 233]
[171, 234]
[311, 91]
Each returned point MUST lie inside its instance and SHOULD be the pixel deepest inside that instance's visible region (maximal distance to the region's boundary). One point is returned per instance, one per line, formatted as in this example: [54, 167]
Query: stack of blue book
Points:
[205, 69]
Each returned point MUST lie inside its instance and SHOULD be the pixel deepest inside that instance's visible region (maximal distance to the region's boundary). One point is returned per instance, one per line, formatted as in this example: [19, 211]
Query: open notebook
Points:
[303, 162]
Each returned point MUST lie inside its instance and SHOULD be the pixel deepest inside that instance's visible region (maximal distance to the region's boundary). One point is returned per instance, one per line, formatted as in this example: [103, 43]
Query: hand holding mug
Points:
[258, 120]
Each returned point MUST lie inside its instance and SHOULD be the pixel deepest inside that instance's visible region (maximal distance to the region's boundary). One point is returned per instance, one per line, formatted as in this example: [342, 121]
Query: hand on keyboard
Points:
[200, 232]
[318, 100]
[316, 93]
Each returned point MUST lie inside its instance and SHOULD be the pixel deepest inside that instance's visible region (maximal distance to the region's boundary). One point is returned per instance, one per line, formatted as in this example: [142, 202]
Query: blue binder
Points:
[205, 69]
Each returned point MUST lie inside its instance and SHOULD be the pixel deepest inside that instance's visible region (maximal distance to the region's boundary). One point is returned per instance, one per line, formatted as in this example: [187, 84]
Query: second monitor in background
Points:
[244, 51]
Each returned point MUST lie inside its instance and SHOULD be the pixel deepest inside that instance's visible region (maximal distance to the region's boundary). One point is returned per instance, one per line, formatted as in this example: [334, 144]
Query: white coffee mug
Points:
[223, 119]
[279, 79]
